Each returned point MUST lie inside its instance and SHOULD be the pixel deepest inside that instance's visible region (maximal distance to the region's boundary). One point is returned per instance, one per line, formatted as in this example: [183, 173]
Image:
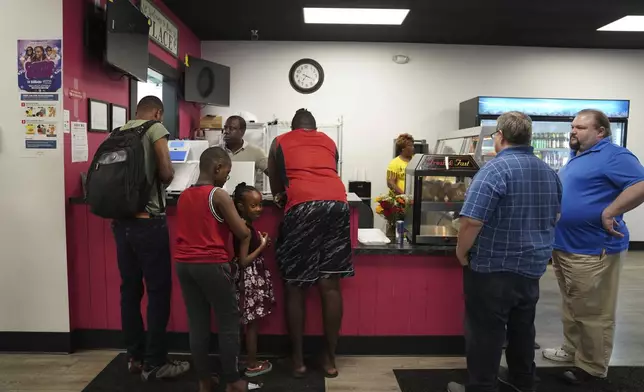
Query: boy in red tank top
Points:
[206, 216]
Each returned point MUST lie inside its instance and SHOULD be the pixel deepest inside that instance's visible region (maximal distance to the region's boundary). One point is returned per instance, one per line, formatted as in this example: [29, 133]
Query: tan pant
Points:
[589, 286]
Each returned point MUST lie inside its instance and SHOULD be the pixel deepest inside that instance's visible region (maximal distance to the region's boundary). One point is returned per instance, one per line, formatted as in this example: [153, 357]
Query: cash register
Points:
[185, 155]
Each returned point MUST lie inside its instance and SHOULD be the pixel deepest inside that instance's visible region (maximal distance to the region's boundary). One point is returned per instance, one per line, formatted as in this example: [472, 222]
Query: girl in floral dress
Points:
[255, 287]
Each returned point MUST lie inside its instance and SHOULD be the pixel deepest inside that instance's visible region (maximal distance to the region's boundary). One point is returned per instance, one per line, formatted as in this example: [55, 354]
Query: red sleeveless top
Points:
[201, 234]
[307, 162]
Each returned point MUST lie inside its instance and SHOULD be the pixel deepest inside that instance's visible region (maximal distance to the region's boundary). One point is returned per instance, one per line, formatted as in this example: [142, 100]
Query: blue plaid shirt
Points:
[517, 196]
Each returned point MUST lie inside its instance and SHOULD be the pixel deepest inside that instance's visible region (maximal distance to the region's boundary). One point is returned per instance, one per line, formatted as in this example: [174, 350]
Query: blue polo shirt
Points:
[517, 196]
[591, 181]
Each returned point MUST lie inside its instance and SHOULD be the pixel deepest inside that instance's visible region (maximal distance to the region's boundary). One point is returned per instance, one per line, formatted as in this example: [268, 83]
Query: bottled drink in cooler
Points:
[549, 140]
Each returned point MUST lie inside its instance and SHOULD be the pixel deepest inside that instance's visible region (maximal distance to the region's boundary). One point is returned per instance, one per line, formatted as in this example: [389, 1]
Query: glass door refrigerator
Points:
[551, 119]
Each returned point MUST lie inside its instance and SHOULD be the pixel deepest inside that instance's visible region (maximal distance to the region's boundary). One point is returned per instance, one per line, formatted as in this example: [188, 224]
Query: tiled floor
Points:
[70, 373]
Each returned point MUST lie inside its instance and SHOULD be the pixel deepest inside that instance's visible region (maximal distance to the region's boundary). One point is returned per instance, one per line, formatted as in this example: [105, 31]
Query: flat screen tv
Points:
[126, 46]
[206, 82]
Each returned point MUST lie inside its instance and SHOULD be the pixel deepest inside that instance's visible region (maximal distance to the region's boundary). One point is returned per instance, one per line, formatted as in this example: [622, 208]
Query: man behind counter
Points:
[242, 151]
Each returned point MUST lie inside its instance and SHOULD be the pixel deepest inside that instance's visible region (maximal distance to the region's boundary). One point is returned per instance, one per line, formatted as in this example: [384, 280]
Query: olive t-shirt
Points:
[156, 132]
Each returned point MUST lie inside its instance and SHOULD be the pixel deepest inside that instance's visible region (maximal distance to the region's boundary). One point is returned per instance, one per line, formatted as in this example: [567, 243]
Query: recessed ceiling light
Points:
[627, 23]
[367, 16]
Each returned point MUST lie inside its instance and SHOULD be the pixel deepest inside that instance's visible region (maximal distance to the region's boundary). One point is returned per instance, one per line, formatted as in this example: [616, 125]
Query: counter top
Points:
[378, 312]
[405, 249]
[352, 198]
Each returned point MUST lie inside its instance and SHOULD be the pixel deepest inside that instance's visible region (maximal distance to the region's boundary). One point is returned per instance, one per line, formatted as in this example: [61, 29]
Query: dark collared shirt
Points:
[517, 196]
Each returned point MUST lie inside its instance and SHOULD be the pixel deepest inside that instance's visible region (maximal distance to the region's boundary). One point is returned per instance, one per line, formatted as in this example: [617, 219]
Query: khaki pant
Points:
[589, 286]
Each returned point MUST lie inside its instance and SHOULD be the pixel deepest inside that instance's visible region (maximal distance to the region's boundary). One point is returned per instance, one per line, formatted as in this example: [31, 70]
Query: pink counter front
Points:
[402, 300]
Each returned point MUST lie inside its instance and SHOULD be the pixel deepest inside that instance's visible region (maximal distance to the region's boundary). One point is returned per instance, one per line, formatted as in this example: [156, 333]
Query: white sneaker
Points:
[558, 355]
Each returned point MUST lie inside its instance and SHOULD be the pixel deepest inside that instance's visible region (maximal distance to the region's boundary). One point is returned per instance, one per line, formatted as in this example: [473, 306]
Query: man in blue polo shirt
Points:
[505, 241]
[601, 182]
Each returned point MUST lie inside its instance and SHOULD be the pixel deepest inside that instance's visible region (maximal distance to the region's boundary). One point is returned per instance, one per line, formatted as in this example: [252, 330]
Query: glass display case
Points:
[436, 185]
[476, 141]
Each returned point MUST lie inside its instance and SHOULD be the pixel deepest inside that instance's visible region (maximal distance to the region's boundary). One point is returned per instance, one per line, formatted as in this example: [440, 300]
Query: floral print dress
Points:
[255, 287]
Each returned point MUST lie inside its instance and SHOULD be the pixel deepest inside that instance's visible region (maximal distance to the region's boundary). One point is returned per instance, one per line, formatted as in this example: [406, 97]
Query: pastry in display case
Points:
[445, 190]
[436, 185]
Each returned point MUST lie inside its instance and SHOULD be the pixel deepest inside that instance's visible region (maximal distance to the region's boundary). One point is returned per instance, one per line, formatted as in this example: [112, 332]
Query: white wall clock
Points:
[306, 76]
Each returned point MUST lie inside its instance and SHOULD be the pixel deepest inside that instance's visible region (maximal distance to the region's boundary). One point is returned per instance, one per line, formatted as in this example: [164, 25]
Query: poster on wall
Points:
[66, 121]
[80, 150]
[40, 64]
[40, 121]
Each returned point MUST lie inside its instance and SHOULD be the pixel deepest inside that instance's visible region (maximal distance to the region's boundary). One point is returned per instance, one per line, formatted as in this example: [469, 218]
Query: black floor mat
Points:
[620, 379]
[115, 377]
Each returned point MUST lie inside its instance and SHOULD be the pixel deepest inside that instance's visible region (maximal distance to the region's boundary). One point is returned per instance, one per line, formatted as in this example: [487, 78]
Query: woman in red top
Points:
[206, 216]
[314, 245]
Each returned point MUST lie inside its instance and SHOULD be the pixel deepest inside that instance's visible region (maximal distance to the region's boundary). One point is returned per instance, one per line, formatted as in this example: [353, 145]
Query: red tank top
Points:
[307, 162]
[201, 234]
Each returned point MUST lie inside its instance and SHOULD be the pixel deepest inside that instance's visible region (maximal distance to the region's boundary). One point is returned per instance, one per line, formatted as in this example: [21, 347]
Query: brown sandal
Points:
[328, 374]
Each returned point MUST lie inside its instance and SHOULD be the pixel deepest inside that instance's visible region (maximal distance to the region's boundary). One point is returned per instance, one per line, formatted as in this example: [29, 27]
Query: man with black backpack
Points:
[125, 183]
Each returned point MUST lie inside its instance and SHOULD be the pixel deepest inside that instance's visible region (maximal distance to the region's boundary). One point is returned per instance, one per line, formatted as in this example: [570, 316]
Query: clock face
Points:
[306, 76]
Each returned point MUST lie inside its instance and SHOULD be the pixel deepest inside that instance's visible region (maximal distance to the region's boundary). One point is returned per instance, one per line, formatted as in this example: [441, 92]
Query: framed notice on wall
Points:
[119, 116]
[162, 30]
[98, 113]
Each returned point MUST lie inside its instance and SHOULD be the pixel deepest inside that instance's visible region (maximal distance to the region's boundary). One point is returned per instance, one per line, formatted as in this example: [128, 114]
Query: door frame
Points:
[171, 76]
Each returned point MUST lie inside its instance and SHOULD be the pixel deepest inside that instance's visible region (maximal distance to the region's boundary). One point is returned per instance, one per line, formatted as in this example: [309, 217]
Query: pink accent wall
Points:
[391, 295]
[97, 81]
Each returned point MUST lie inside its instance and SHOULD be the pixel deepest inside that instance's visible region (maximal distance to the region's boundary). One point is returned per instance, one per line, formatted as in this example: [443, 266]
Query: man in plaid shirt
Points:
[505, 241]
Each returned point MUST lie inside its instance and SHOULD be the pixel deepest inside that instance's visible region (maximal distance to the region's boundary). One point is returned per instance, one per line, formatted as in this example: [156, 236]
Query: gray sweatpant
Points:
[205, 286]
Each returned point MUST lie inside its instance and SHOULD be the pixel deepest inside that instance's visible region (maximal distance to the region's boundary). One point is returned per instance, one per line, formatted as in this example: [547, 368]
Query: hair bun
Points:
[239, 188]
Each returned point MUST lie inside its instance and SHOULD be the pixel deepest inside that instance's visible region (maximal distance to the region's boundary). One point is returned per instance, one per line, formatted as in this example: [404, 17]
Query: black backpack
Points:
[117, 187]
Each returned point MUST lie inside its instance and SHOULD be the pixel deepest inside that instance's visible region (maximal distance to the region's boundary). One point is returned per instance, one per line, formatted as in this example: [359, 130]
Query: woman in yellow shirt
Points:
[396, 168]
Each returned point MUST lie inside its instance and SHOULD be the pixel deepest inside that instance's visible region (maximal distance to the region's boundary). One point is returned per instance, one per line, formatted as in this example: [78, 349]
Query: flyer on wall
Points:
[40, 65]
[40, 120]
[80, 148]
